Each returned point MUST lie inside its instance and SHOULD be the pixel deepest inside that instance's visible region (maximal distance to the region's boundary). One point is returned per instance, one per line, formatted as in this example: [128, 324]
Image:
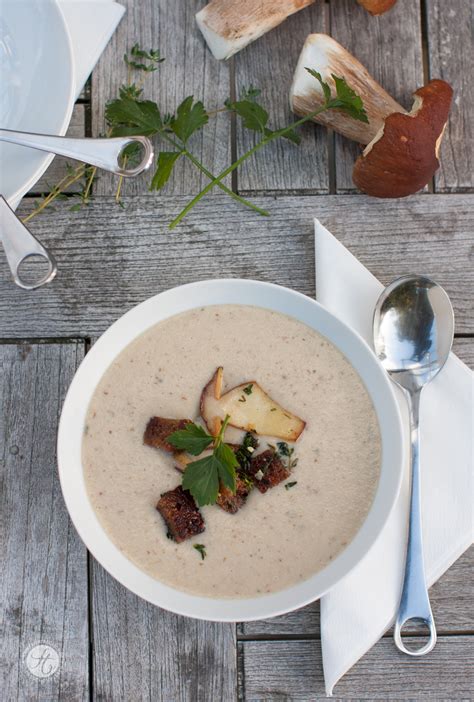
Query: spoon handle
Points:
[415, 603]
[103, 153]
[20, 244]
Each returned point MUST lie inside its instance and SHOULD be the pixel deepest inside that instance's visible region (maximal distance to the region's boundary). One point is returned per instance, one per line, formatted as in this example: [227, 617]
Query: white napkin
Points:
[91, 23]
[356, 613]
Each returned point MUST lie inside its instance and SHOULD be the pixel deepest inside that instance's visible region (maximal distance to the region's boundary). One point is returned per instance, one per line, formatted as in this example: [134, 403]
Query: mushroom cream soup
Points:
[277, 538]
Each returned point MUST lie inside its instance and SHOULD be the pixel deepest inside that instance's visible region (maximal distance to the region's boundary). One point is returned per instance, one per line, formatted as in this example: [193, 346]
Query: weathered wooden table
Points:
[112, 645]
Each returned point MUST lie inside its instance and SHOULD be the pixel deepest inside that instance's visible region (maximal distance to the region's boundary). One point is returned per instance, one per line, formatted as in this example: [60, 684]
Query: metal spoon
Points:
[18, 242]
[413, 334]
[103, 153]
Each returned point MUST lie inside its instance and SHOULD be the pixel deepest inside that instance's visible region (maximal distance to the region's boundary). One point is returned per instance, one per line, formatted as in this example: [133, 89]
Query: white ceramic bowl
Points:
[36, 86]
[134, 323]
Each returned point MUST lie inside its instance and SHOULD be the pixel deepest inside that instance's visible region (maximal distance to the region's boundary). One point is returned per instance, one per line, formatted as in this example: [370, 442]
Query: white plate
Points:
[134, 323]
[36, 86]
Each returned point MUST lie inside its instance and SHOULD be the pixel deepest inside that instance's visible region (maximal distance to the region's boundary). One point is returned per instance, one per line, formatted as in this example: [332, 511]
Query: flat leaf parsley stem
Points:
[213, 179]
[266, 140]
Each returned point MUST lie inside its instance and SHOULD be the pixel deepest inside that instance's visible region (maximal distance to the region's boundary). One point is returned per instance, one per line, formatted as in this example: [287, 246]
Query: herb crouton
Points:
[159, 428]
[181, 515]
[267, 470]
[231, 502]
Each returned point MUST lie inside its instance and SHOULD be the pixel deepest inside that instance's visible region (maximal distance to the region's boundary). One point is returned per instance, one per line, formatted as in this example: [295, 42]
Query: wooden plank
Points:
[58, 168]
[142, 652]
[390, 48]
[269, 64]
[189, 69]
[451, 599]
[44, 564]
[110, 259]
[292, 670]
[451, 57]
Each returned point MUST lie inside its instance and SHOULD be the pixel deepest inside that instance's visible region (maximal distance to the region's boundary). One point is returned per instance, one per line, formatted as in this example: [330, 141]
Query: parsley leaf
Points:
[325, 86]
[253, 115]
[128, 116]
[227, 465]
[348, 100]
[193, 439]
[164, 168]
[201, 478]
[188, 119]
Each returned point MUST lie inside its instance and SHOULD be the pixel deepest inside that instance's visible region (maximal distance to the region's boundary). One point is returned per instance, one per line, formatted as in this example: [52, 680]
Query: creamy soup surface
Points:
[278, 538]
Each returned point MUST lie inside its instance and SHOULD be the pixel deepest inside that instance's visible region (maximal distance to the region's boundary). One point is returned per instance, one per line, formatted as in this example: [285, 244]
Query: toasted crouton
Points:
[267, 470]
[232, 502]
[180, 513]
[159, 429]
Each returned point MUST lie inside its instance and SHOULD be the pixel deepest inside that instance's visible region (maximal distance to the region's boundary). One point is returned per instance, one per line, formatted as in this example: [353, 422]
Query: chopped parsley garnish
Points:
[284, 451]
[248, 389]
[290, 485]
[245, 451]
[202, 550]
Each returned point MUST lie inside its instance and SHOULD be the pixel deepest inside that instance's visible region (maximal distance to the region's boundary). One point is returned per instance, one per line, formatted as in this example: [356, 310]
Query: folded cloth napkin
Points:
[91, 23]
[356, 613]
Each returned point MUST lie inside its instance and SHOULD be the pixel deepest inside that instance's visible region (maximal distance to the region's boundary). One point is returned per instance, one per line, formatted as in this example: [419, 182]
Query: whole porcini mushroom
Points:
[401, 153]
[230, 25]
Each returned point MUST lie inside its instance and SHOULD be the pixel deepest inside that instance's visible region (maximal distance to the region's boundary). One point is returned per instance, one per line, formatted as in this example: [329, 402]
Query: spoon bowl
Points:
[413, 333]
[413, 330]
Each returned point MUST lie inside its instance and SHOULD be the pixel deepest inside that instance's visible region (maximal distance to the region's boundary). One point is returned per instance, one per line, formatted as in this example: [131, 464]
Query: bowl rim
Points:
[15, 197]
[201, 294]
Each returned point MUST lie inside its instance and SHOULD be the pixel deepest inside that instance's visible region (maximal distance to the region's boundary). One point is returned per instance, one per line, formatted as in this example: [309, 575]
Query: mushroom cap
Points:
[377, 7]
[403, 156]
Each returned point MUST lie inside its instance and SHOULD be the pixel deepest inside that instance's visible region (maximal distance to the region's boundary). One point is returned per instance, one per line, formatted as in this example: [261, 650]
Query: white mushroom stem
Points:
[323, 54]
[229, 25]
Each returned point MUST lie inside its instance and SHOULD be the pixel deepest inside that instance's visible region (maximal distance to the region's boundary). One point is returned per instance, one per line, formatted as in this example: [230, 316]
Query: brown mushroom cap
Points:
[403, 157]
[377, 7]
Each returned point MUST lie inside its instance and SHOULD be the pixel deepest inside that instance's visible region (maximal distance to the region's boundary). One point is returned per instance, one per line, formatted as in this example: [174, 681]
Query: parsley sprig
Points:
[346, 100]
[203, 477]
[131, 115]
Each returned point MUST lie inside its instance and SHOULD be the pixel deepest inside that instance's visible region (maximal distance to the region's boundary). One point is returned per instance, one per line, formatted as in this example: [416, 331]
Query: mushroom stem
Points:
[325, 55]
[229, 25]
